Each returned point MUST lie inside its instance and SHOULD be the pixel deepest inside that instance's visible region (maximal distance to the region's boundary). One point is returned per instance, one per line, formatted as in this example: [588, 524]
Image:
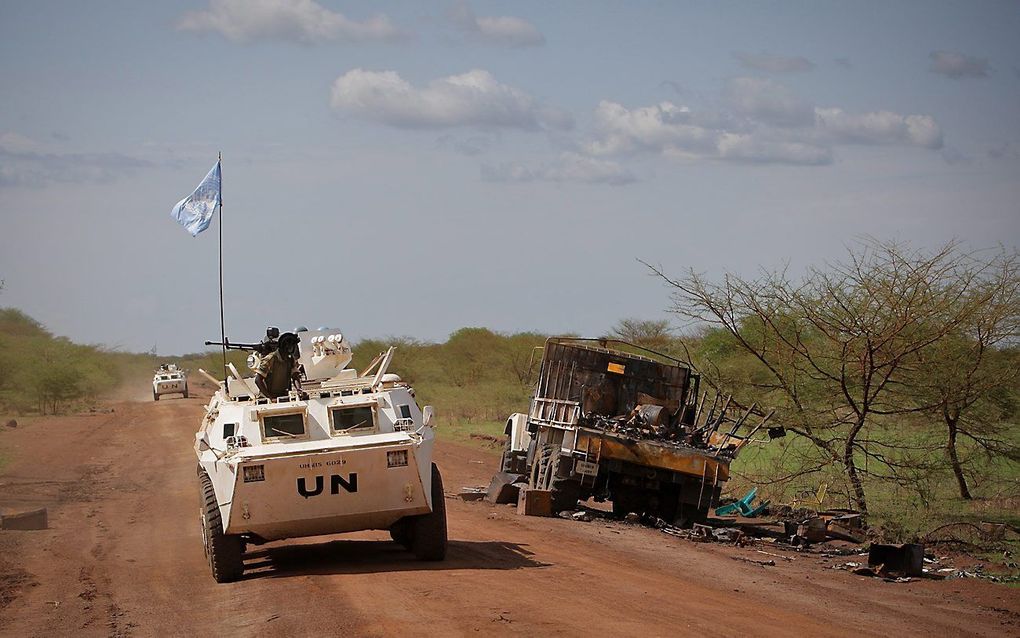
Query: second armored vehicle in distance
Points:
[169, 379]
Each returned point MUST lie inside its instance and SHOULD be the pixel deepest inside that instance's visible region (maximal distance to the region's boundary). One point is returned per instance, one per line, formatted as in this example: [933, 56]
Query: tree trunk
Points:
[954, 459]
[851, 471]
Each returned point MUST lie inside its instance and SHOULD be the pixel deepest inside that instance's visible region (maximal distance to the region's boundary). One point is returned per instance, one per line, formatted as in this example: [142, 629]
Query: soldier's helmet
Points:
[288, 344]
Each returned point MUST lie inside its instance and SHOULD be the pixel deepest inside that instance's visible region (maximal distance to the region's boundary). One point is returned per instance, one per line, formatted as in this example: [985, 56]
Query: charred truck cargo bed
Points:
[621, 423]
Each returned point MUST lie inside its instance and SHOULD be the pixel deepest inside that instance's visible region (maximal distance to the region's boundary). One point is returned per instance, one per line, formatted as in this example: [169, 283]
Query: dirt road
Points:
[123, 557]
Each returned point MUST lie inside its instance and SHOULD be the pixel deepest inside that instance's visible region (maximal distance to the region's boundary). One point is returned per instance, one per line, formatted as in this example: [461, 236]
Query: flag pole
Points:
[223, 330]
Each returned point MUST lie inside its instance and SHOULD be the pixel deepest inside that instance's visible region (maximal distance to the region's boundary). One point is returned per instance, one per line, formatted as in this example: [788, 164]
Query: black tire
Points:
[428, 531]
[513, 462]
[689, 515]
[224, 551]
[185, 391]
[626, 501]
[400, 532]
[155, 397]
[507, 462]
[565, 492]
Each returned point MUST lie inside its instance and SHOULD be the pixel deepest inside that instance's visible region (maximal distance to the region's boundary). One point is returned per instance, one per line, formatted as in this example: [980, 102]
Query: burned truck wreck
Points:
[613, 421]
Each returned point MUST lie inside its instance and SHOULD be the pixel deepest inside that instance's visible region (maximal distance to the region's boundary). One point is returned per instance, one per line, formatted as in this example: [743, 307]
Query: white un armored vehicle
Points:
[345, 451]
[169, 379]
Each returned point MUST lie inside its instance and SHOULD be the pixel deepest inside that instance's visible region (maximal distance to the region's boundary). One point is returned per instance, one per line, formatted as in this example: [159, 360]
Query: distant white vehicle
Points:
[169, 379]
[347, 451]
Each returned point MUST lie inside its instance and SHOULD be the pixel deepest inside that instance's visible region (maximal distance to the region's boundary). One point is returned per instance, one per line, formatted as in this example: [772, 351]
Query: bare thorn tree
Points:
[842, 345]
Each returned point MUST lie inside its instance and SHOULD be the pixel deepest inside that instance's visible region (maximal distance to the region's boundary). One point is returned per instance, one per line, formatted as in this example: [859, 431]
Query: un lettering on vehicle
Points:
[308, 487]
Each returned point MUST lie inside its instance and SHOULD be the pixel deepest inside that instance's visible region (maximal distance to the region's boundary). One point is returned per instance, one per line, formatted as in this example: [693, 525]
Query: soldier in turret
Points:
[278, 370]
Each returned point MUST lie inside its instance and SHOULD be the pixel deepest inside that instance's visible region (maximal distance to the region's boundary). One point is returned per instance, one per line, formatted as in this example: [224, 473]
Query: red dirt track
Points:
[123, 557]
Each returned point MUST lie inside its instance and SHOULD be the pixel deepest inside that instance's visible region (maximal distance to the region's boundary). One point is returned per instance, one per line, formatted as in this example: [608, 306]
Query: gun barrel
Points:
[235, 346]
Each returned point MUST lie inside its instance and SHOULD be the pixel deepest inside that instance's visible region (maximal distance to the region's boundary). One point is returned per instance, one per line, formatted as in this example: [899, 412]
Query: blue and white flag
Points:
[195, 211]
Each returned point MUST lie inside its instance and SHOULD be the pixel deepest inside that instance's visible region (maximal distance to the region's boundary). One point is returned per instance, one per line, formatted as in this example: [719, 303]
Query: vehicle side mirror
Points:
[426, 416]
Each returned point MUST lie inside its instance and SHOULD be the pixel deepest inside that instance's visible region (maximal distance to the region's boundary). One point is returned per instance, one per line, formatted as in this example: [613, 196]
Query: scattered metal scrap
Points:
[504, 488]
[754, 561]
[472, 493]
[32, 520]
[907, 558]
[703, 533]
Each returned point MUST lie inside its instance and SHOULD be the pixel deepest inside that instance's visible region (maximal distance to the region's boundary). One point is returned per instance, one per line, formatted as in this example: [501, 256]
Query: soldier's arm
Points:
[260, 383]
[262, 369]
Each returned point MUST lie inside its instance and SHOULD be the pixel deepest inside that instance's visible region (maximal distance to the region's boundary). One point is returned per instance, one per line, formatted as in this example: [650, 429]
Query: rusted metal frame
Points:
[704, 478]
[567, 342]
[715, 482]
[722, 415]
[549, 411]
[736, 426]
[760, 425]
[699, 407]
[714, 421]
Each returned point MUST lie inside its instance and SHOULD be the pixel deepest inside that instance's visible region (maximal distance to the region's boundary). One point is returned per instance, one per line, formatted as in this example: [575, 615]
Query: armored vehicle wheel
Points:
[428, 531]
[223, 550]
[185, 391]
[401, 533]
[155, 397]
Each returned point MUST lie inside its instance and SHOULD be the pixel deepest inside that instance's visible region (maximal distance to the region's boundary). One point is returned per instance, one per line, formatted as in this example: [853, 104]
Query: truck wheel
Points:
[507, 462]
[666, 504]
[155, 397]
[185, 391]
[401, 533]
[513, 462]
[428, 531]
[625, 501]
[223, 550]
[565, 492]
[689, 515]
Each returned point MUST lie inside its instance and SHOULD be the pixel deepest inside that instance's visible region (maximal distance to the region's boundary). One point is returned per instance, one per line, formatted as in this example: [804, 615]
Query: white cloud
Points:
[304, 21]
[879, 127]
[957, 65]
[28, 162]
[13, 143]
[569, 167]
[774, 63]
[474, 98]
[502, 30]
[768, 101]
[762, 122]
[651, 128]
[1004, 151]
[759, 149]
[678, 132]
[470, 145]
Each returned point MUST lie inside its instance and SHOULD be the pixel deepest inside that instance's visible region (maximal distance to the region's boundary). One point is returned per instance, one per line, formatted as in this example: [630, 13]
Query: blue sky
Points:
[411, 168]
